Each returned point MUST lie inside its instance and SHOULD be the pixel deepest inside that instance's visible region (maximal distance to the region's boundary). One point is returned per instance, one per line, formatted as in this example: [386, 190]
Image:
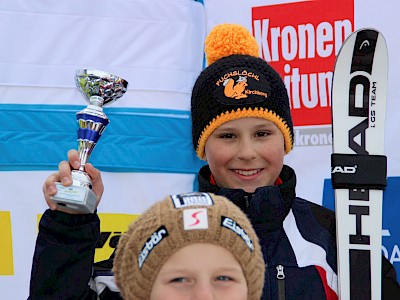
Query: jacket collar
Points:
[267, 207]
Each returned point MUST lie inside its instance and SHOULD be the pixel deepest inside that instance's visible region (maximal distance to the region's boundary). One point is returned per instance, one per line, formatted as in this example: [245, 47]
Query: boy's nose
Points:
[204, 291]
[246, 150]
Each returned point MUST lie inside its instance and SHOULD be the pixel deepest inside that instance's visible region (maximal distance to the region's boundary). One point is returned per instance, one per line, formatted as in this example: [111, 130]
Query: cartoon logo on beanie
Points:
[191, 199]
[151, 242]
[241, 86]
[236, 89]
[232, 225]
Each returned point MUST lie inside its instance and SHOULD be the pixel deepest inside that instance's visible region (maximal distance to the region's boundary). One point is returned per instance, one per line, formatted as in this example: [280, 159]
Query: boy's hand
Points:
[64, 176]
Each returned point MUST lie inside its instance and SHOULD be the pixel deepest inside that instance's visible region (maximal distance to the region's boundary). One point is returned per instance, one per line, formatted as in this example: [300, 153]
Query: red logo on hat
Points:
[303, 49]
[195, 219]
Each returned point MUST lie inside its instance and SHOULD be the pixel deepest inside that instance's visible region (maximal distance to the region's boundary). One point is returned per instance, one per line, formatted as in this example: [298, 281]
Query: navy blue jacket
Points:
[298, 240]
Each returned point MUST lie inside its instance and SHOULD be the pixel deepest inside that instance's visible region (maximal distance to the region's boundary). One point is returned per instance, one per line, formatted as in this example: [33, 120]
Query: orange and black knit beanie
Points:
[168, 226]
[237, 84]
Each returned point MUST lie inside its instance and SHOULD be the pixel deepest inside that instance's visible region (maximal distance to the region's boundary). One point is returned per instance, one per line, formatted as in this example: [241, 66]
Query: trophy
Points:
[99, 89]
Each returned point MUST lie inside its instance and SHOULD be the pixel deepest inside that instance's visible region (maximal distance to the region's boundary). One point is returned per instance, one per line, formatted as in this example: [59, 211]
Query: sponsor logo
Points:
[390, 232]
[111, 228]
[241, 86]
[152, 242]
[391, 252]
[108, 239]
[191, 199]
[232, 225]
[235, 89]
[303, 49]
[360, 73]
[312, 136]
[6, 252]
[358, 204]
[345, 169]
[195, 219]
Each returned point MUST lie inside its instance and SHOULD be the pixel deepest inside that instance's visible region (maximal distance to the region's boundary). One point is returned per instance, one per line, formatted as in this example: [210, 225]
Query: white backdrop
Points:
[146, 151]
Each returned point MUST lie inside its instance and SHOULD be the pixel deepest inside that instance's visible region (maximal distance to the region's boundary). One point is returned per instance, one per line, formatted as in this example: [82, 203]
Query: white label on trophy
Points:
[73, 193]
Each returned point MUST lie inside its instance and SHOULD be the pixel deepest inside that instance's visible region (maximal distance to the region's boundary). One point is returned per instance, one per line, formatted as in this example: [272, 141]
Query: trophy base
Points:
[81, 199]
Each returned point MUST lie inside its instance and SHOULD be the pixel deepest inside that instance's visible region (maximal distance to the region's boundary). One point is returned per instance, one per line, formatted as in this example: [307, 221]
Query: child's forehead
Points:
[246, 122]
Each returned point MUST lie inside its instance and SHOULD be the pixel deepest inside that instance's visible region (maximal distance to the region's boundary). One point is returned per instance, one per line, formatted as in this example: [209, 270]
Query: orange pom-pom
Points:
[227, 39]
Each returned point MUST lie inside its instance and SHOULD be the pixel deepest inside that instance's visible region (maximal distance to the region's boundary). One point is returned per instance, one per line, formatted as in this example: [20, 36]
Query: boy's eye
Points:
[262, 133]
[227, 136]
[178, 279]
[223, 278]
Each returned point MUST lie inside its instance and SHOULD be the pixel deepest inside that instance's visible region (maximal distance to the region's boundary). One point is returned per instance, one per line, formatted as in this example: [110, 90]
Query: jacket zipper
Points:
[246, 199]
[280, 275]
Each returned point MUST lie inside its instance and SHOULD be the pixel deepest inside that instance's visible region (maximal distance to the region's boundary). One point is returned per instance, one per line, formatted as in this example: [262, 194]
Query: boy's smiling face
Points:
[245, 153]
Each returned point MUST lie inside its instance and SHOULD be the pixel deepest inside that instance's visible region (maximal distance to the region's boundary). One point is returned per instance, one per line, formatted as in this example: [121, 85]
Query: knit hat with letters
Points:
[237, 84]
[168, 226]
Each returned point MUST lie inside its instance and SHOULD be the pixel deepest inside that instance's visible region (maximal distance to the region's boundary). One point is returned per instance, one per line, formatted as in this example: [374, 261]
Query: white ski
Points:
[359, 91]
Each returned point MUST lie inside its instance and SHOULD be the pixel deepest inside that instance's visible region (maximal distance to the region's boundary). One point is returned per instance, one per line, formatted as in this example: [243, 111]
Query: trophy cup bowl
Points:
[98, 89]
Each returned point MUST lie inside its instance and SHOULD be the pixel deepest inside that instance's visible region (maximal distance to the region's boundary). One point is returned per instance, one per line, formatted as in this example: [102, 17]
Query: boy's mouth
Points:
[247, 172]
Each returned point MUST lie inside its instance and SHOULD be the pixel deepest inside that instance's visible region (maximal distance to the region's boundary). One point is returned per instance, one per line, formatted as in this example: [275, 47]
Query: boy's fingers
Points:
[73, 159]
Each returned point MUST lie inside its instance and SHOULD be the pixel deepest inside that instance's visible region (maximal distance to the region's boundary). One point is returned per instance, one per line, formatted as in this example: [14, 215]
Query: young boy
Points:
[242, 127]
[190, 246]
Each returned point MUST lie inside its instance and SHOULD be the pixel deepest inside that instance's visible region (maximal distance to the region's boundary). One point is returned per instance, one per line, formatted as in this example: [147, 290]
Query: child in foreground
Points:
[190, 246]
